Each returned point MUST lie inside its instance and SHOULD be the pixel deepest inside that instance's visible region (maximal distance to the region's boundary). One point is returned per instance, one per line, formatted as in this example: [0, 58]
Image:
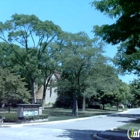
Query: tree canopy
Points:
[33, 37]
[125, 30]
[32, 50]
[135, 91]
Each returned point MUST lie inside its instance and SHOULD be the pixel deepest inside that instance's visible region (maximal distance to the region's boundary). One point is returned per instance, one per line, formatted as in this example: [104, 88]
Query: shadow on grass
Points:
[88, 135]
[68, 112]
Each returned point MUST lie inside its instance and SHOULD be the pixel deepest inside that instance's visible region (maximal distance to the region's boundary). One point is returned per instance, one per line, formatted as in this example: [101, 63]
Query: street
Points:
[76, 130]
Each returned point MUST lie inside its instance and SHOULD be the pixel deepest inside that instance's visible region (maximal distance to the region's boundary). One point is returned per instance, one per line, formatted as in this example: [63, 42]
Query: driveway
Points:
[76, 130]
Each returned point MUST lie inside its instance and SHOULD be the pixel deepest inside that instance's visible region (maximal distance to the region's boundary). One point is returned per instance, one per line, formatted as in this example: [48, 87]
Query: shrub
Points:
[10, 117]
[29, 118]
[107, 105]
[13, 117]
[95, 106]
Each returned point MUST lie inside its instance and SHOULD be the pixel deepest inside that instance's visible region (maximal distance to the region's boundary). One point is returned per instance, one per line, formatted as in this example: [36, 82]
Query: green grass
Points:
[132, 125]
[64, 114]
[10, 117]
[12, 110]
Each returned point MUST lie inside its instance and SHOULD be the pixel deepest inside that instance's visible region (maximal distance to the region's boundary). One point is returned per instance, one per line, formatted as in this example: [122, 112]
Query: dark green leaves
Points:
[125, 30]
[109, 7]
[12, 88]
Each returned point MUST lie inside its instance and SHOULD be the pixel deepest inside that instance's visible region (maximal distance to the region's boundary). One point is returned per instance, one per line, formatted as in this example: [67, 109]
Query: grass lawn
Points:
[63, 114]
[132, 125]
[6, 110]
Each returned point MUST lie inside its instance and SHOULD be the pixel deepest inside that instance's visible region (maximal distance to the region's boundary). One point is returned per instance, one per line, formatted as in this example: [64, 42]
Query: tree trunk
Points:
[75, 106]
[43, 103]
[103, 103]
[9, 108]
[84, 103]
[44, 94]
[32, 89]
[45, 85]
[103, 106]
[3, 105]
[117, 106]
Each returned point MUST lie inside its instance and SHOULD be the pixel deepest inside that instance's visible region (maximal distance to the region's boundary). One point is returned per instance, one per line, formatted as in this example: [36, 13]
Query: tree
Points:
[48, 65]
[125, 30]
[78, 55]
[121, 94]
[12, 88]
[92, 76]
[127, 62]
[33, 36]
[103, 81]
[135, 92]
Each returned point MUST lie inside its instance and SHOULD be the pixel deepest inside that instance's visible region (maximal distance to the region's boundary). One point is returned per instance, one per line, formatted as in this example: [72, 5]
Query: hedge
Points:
[29, 118]
[13, 117]
[10, 117]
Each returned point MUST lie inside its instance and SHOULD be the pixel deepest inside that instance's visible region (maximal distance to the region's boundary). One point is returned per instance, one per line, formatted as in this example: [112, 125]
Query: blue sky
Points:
[71, 15]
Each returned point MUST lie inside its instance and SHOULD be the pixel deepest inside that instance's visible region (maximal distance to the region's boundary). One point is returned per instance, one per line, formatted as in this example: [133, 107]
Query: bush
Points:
[107, 105]
[29, 118]
[95, 106]
[13, 117]
[10, 117]
[63, 102]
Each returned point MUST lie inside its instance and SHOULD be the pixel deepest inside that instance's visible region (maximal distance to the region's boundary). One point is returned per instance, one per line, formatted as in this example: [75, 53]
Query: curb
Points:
[100, 138]
[97, 137]
[51, 122]
[122, 112]
[56, 122]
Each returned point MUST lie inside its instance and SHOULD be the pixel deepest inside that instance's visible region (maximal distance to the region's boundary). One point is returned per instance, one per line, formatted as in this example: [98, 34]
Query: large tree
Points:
[121, 94]
[33, 36]
[125, 30]
[103, 81]
[78, 55]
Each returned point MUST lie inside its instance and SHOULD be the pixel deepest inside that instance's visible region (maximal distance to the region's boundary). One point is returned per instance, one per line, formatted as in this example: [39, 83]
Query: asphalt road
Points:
[77, 130]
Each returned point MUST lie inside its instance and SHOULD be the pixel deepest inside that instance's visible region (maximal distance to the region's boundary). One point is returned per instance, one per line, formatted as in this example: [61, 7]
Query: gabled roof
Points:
[57, 74]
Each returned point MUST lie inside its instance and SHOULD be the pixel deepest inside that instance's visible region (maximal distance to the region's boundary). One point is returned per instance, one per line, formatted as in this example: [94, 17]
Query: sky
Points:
[71, 15]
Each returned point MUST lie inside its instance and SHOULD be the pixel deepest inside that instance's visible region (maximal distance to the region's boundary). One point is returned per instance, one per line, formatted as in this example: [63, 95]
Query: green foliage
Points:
[109, 7]
[12, 88]
[10, 117]
[37, 117]
[122, 93]
[127, 61]
[105, 86]
[13, 117]
[135, 91]
[33, 58]
[102, 81]
[34, 49]
[125, 30]
[79, 54]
